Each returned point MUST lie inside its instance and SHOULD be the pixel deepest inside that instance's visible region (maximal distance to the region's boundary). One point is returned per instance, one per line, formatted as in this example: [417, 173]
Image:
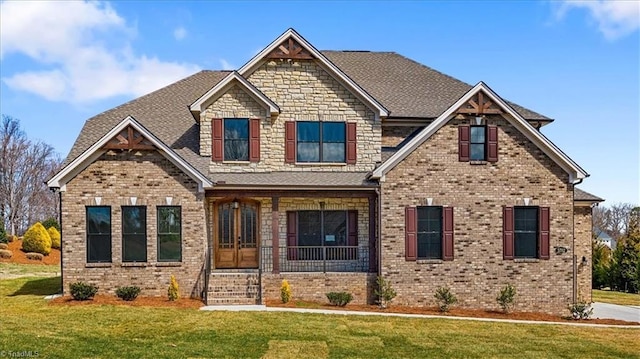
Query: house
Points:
[326, 168]
[603, 237]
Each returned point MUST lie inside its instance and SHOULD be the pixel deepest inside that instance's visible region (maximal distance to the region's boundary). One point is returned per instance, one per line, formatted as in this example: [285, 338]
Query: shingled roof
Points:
[580, 195]
[405, 87]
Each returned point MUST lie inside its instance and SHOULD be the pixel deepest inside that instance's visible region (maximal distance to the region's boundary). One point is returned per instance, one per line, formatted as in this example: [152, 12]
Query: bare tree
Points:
[612, 220]
[24, 167]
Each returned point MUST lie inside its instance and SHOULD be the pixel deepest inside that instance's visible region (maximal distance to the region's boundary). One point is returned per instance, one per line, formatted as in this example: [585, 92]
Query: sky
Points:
[577, 62]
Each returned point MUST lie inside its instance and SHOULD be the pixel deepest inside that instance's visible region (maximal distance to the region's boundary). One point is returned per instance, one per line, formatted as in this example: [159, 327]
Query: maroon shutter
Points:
[507, 232]
[447, 233]
[254, 140]
[543, 232]
[217, 141]
[351, 143]
[290, 142]
[492, 143]
[292, 235]
[411, 233]
[463, 143]
[352, 239]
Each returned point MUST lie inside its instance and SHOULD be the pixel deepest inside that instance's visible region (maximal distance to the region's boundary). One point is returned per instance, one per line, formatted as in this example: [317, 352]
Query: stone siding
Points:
[315, 286]
[584, 237]
[394, 135]
[115, 177]
[478, 193]
[304, 92]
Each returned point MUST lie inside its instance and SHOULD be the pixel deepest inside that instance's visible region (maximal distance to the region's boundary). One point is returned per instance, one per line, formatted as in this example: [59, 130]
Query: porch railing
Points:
[316, 259]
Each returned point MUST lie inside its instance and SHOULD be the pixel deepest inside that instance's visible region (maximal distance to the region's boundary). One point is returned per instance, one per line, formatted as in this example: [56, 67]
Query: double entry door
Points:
[236, 234]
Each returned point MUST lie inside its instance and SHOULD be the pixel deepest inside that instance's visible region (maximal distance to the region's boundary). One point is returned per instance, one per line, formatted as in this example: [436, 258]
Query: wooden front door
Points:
[236, 235]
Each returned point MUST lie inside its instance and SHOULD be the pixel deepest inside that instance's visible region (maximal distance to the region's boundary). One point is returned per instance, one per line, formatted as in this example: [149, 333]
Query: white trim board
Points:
[257, 95]
[576, 173]
[60, 179]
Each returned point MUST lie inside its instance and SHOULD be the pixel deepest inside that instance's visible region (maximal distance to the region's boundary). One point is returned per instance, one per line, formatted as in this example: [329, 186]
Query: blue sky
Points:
[574, 61]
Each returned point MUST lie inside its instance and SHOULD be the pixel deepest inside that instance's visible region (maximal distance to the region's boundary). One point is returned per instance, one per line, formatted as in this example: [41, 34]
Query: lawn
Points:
[9, 270]
[608, 296]
[28, 323]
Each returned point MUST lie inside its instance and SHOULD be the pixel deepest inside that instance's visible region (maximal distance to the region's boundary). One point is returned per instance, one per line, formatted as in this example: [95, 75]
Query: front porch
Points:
[320, 241]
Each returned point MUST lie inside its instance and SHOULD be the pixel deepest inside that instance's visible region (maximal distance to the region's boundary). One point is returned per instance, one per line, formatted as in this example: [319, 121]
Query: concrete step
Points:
[231, 301]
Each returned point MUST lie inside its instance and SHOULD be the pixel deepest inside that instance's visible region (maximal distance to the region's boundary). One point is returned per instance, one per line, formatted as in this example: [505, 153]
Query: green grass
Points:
[28, 269]
[609, 296]
[28, 323]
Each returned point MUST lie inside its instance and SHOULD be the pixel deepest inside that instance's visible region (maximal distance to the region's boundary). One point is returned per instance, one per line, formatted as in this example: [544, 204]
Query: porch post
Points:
[372, 235]
[275, 234]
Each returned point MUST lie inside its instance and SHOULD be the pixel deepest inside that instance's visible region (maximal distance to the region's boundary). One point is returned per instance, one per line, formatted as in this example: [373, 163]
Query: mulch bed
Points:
[157, 302]
[454, 312]
[21, 257]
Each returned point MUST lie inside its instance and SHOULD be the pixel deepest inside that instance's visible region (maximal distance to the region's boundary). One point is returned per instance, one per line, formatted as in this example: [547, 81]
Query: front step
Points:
[233, 288]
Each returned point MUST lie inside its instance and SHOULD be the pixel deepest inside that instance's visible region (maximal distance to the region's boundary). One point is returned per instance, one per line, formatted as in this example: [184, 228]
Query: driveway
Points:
[613, 311]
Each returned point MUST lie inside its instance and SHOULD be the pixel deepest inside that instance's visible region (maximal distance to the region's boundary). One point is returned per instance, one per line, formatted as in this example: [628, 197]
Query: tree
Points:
[601, 258]
[25, 166]
[612, 220]
[625, 264]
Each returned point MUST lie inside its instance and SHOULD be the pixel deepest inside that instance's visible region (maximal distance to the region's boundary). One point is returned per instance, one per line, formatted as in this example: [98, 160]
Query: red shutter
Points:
[463, 143]
[543, 232]
[352, 239]
[254, 140]
[492, 143]
[507, 232]
[447, 233]
[217, 141]
[411, 233]
[351, 143]
[292, 235]
[290, 142]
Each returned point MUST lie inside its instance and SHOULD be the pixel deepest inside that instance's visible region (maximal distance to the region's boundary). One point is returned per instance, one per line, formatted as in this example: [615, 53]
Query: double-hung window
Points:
[525, 230]
[236, 139]
[98, 221]
[169, 234]
[321, 142]
[134, 234]
[478, 143]
[316, 235]
[429, 232]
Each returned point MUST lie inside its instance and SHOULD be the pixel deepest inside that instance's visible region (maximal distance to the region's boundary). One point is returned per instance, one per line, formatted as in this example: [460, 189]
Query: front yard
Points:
[612, 297]
[29, 323]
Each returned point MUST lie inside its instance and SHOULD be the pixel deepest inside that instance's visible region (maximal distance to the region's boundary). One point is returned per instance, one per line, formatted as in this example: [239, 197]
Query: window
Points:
[430, 232]
[323, 233]
[321, 142]
[134, 234]
[98, 234]
[169, 234]
[236, 139]
[478, 143]
[526, 232]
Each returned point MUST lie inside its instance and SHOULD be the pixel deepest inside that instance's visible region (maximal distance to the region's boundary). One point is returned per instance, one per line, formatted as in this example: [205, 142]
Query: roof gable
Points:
[481, 90]
[291, 45]
[128, 134]
[222, 86]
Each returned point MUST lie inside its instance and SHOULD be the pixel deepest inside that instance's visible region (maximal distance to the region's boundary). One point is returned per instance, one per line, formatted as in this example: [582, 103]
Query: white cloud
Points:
[226, 65]
[83, 52]
[180, 33]
[614, 18]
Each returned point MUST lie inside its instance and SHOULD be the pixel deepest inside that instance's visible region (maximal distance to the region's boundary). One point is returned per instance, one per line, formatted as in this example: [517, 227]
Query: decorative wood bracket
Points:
[290, 49]
[129, 139]
[479, 105]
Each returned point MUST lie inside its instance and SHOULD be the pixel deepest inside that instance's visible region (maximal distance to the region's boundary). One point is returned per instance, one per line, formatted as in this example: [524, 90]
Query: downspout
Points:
[61, 242]
[573, 246]
[379, 230]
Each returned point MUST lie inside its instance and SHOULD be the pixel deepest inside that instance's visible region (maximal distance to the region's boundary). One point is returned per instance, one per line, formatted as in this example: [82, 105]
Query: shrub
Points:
[128, 293]
[5, 253]
[11, 238]
[384, 291]
[3, 233]
[34, 256]
[82, 291]
[55, 237]
[51, 222]
[173, 291]
[581, 310]
[37, 239]
[445, 298]
[339, 299]
[506, 297]
[3, 246]
[285, 291]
